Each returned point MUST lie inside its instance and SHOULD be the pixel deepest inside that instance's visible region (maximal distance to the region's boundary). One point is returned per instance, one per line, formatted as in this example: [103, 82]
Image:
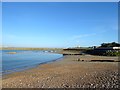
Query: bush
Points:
[113, 44]
[112, 53]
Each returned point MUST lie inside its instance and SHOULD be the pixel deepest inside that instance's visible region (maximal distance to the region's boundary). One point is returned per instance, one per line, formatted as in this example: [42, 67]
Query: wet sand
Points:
[73, 71]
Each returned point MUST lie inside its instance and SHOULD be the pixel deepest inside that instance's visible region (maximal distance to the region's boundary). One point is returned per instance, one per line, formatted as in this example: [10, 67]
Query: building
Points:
[107, 48]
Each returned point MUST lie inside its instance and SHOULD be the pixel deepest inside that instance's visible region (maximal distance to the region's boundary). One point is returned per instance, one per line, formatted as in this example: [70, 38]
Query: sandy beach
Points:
[72, 71]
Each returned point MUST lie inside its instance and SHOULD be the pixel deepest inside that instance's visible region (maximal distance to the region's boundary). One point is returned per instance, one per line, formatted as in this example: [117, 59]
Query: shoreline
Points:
[66, 73]
[30, 67]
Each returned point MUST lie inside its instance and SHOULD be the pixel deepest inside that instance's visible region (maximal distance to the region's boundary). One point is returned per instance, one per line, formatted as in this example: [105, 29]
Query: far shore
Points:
[28, 48]
[73, 71]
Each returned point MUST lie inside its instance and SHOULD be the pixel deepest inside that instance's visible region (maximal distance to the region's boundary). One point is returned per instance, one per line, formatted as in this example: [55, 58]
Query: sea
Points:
[25, 59]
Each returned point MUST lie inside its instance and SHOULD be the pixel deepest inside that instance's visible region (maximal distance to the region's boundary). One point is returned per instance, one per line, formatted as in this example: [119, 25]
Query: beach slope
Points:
[73, 71]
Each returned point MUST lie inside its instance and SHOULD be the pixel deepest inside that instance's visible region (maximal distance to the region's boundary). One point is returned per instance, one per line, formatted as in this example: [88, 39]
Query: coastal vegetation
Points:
[106, 49]
[113, 44]
[112, 53]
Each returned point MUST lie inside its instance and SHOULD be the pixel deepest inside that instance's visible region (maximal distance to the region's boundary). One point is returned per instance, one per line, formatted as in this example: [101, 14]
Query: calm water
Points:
[25, 59]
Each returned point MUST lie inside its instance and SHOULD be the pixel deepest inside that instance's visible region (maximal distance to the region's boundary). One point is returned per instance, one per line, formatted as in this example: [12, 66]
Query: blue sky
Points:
[59, 24]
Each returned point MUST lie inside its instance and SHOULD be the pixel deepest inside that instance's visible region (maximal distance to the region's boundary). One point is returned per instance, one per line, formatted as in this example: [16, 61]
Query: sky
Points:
[59, 24]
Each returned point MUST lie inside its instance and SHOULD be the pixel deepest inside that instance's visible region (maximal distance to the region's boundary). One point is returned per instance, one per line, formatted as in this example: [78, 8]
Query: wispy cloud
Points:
[83, 35]
[86, 35]
[77, 39]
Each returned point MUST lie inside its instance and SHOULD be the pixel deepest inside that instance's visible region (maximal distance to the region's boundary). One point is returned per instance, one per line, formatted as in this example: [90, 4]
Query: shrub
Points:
[112, 53]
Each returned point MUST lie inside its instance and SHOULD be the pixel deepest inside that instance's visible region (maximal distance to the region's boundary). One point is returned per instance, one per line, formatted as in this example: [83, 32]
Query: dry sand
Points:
[67, 73]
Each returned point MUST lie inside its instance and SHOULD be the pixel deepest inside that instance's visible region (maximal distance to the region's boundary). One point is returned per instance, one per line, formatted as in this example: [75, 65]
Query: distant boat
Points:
[45, 51]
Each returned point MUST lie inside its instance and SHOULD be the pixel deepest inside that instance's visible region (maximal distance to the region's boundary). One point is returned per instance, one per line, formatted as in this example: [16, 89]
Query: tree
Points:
[113, 44]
